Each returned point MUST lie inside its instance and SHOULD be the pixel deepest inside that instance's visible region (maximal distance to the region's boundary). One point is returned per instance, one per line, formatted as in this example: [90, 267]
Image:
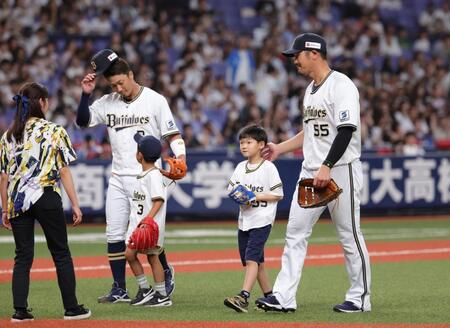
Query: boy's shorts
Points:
[251, 244]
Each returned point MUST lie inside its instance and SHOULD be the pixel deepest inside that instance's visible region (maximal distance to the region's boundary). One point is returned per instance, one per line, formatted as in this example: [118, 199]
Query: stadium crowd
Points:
[220, 71]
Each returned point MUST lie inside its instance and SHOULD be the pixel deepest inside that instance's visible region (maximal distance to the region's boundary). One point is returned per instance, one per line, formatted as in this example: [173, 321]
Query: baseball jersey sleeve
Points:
[65, 153]
[157, 189]
[346, 104]
[165, 119]
[276, 186]
[97, 111]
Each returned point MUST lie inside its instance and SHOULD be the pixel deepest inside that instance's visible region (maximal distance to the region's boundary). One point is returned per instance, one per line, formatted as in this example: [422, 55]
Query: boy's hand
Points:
[241, 195]
[145, 236]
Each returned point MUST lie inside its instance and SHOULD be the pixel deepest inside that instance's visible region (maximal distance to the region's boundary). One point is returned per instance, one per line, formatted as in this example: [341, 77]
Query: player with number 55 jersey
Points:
[331, 143]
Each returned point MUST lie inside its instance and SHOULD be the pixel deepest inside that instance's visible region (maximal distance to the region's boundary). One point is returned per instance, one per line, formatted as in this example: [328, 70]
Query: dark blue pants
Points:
[49, 213]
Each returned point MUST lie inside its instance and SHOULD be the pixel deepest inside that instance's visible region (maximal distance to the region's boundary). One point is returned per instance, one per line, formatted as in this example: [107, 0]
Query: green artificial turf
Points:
[405, 292]
[408, 292]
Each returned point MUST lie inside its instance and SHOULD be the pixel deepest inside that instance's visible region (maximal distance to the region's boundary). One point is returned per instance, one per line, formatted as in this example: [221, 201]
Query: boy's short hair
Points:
[253, 131]
[120, 66]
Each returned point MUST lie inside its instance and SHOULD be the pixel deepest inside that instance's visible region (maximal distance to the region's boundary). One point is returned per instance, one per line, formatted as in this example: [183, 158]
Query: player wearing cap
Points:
[331, 141]
[129, 109]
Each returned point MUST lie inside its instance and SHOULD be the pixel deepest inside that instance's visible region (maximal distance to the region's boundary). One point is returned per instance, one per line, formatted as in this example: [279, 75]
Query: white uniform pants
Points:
[118, 206]
[345, 213]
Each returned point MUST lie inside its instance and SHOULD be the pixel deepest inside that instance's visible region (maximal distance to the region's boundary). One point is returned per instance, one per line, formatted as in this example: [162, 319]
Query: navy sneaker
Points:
[347, 307]
[270, 303]
[22, 315]
[116, 295]
[77, 313]
[169, 276]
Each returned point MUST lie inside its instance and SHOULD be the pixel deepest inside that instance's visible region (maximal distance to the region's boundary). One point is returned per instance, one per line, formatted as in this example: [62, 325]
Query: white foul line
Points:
[267, 259]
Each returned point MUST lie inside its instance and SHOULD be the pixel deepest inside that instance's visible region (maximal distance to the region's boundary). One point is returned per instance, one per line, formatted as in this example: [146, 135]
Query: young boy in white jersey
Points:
[149, 196]
[256, 217]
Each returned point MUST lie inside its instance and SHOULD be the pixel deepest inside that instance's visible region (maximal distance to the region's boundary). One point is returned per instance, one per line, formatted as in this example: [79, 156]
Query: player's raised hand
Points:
[270, 152]
[88, 83]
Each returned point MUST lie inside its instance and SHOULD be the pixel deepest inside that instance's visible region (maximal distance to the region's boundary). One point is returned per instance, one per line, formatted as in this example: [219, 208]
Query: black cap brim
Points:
[290, 52]
[138, 137]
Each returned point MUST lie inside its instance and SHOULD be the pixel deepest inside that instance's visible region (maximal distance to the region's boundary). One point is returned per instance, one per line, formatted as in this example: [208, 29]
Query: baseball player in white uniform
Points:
[331, 141]
[130, 108]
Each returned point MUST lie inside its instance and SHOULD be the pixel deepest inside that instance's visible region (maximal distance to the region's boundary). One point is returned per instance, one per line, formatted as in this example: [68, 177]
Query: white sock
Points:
[142, 281]
[160, 287]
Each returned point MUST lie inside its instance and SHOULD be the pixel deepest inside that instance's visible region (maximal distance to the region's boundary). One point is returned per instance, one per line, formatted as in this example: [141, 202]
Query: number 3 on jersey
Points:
[321, 130]
[140, 210]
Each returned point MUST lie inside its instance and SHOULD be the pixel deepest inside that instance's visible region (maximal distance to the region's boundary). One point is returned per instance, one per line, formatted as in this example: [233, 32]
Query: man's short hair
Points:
[120, 66]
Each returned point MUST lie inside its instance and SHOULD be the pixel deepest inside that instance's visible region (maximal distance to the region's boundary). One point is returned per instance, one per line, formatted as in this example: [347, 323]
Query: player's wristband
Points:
[328, 164]
[178, 147]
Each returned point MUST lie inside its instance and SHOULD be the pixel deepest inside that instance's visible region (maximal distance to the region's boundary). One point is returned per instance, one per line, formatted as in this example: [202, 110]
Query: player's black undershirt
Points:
[339, 145]
[83, 114]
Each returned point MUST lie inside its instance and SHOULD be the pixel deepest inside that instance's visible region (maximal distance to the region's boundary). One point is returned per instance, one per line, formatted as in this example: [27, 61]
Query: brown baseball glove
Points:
[178, 168]
[310, 196]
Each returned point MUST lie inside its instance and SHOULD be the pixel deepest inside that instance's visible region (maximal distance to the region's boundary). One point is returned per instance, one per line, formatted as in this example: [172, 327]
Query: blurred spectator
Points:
[209, 136]
[89, 149]
[189, 137]
[266, 87]
[241, 63]
[106, 150]
[411, 146]
[389, 45]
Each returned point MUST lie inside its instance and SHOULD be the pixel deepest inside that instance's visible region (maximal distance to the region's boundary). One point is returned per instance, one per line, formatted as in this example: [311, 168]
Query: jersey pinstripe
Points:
[260, 178]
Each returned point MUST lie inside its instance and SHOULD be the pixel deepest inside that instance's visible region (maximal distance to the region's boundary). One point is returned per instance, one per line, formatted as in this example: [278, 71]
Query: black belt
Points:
[48, 189]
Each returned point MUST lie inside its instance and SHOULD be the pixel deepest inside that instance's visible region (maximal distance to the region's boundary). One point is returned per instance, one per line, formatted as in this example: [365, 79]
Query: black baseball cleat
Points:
[347, 307]
[270, 303]
[116, 295]
[22, 315]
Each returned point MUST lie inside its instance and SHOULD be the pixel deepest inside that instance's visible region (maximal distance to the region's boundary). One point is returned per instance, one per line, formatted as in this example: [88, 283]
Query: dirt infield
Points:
[219, 260]
[199, 324]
